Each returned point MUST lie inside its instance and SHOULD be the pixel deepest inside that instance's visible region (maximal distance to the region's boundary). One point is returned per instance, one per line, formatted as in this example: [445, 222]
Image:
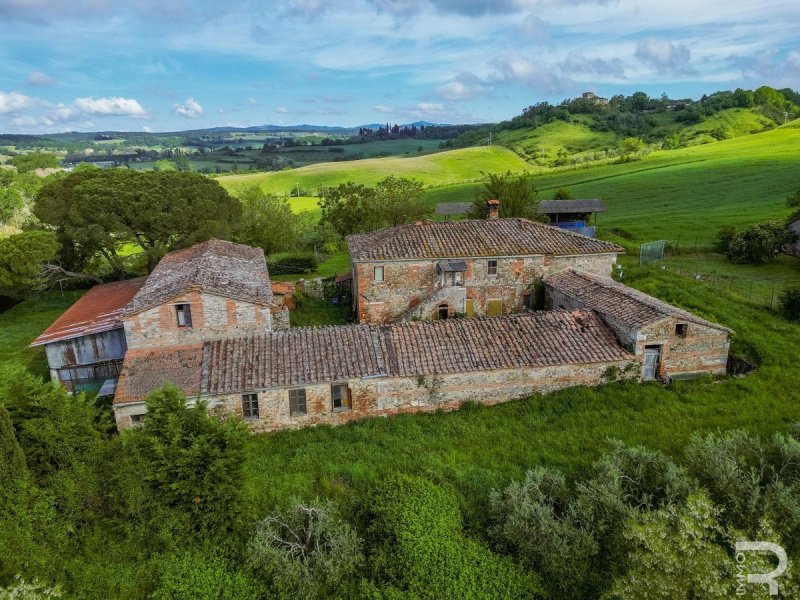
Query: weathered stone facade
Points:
[394, 395]
[686, 345]
[212, 316]
[417, 289]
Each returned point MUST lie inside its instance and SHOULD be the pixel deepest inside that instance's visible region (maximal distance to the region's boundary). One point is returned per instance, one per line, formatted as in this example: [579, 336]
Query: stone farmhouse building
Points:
[209, 321]
[486, 267]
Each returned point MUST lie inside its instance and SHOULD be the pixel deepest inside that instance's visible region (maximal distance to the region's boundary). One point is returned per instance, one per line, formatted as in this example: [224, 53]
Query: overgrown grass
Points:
[311, 312]
[21, 324]
[478, 447]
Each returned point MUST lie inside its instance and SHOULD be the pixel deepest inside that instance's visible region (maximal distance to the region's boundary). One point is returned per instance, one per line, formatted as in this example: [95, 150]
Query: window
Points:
[444, 311]
[250, 406]
[492, 270]
[184, 315]
[527, 301]
[297, 402]
[378, 273]
[340, 394]
[680, 329]
[137, 420]
[494, 308]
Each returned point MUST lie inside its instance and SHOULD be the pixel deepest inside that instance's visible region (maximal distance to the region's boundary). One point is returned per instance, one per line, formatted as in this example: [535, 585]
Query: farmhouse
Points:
[209, 321]
[485, 267]
[667, 341]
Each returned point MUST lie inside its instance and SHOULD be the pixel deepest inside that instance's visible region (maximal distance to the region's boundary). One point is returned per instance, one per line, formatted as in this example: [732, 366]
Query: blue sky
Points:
[147, 65]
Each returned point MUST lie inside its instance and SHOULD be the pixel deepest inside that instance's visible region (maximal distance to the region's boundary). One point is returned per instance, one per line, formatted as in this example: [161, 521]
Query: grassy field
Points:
[437, 169]
[685, 194]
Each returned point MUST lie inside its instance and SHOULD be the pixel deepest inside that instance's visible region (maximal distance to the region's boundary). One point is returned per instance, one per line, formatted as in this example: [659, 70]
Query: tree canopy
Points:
[22, 257]
[517, 195]
[268, 222]
[102, 211]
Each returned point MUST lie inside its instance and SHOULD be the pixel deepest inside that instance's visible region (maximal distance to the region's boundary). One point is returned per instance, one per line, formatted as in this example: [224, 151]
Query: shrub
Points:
[758, 243]
[790, 303]
[418, 548]
[201, 576]
[291, 264]
[306, 551]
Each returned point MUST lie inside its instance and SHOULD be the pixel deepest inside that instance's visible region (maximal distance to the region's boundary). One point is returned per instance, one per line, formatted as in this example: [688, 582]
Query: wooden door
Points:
[652, 357]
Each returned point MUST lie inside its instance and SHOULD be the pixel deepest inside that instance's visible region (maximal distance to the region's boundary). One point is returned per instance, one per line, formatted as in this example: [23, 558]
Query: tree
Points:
[350, 208]
[198, 575]
[268, 221]
[759, 243]
[193, 461]
[22, 260]
[12, 459]
[26, 163]
[631, 147]
[790, 303]
[400, 200]
[101, 211]
[563, 194]
[517, 195]
[306, 551]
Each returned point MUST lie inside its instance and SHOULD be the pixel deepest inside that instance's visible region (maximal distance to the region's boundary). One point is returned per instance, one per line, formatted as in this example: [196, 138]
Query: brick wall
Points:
[702, 350]
[212, 317]
[409, 287]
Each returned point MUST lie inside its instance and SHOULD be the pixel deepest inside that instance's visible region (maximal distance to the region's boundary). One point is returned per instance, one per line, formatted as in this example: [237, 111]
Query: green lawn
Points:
[20, 325]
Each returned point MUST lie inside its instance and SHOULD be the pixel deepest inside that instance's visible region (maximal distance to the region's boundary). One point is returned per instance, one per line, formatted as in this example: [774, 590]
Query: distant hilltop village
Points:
[448, 311]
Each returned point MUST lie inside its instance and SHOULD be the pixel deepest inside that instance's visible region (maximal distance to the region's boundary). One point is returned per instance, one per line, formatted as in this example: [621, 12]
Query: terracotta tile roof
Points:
[481, 237]
[147, 369]
[96, 311]
[329, 354]
[216, 266]
[619, 302]
[550, 207]
[453, 208]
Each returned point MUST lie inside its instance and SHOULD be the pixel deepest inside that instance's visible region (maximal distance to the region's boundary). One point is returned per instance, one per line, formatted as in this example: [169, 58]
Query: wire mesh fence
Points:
[652, 251]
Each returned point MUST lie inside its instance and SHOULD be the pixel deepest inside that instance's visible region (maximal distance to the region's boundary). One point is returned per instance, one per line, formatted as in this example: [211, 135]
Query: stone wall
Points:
[389, 396]
[409, 287]
[702, 350]
[212, 317]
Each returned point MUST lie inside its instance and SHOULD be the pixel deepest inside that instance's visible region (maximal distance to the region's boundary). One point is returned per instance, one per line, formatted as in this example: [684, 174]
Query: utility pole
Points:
[490, 139]
[298, 188]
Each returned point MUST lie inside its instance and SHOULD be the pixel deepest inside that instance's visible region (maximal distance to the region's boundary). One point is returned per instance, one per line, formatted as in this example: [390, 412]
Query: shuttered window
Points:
[340, 394]
[184, 315]
[250, 406]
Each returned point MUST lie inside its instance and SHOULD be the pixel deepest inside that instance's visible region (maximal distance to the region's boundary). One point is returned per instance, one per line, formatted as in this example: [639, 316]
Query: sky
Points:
[168, 65]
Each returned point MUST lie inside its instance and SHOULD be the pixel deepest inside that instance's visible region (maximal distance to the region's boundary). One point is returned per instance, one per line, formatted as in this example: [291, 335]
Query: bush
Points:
[307, 551]
[790, 303]
[419, 549]
[201, 576]
[291, 264]
[758, 243]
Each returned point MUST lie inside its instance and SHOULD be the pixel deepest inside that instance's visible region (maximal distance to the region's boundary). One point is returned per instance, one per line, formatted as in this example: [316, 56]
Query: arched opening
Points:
[444, 311]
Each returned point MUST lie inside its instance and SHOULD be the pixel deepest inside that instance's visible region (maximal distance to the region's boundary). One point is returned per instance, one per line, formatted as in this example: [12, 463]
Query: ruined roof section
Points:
[145, 370]
[224, 268]
[98, 310]
[453, 208]
[483, 237]
[329, 354]
[615, 301]
[550, 207]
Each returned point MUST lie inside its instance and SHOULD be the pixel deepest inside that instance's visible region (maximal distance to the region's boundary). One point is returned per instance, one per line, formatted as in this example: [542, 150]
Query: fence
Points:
[652, 251]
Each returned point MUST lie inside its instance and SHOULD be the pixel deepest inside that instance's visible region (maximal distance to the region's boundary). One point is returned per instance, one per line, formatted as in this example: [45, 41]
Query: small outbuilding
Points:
[668, 342]
[579, 216]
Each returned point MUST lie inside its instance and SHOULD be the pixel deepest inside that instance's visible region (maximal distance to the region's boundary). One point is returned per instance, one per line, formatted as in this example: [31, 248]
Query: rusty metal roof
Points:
[96, 311]
[477, 237]
[216, 266]
[551, 207]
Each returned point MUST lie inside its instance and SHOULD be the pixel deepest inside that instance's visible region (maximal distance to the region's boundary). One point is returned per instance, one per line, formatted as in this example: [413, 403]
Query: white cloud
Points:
[282, 110]
[190, 109]
[464, 87]
[664, 56]
[39, 79]
[516, 69]
[12, 102]
[117, 106]
[147, 129]
[252, 102]
[383, 109]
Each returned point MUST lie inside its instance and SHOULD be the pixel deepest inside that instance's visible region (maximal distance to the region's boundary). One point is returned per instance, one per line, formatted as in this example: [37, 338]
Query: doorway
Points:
[652, 360]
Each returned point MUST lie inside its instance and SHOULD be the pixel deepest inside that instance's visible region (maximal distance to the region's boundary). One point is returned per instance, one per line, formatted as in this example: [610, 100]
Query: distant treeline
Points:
[634, 115]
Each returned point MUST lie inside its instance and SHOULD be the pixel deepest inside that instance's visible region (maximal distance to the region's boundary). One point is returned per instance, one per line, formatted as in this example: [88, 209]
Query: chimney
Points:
[493, 208]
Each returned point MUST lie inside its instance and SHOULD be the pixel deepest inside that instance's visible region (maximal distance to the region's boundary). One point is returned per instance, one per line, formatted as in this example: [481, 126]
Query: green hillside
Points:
[438, 169]
[681, 194]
